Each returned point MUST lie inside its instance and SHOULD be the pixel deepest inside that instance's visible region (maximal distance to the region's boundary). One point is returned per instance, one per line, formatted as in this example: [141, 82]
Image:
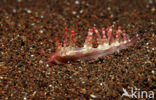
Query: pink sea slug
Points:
[107, 44]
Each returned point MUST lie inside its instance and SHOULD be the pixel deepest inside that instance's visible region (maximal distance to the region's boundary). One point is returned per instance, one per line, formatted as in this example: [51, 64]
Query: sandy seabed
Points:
[27, 32]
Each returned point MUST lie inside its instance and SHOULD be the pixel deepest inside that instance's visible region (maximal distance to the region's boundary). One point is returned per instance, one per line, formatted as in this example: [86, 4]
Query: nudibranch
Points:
[108, 43]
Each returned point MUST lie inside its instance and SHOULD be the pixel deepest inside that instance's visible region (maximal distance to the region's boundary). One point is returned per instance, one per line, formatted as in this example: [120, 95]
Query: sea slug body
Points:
[107, 44]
